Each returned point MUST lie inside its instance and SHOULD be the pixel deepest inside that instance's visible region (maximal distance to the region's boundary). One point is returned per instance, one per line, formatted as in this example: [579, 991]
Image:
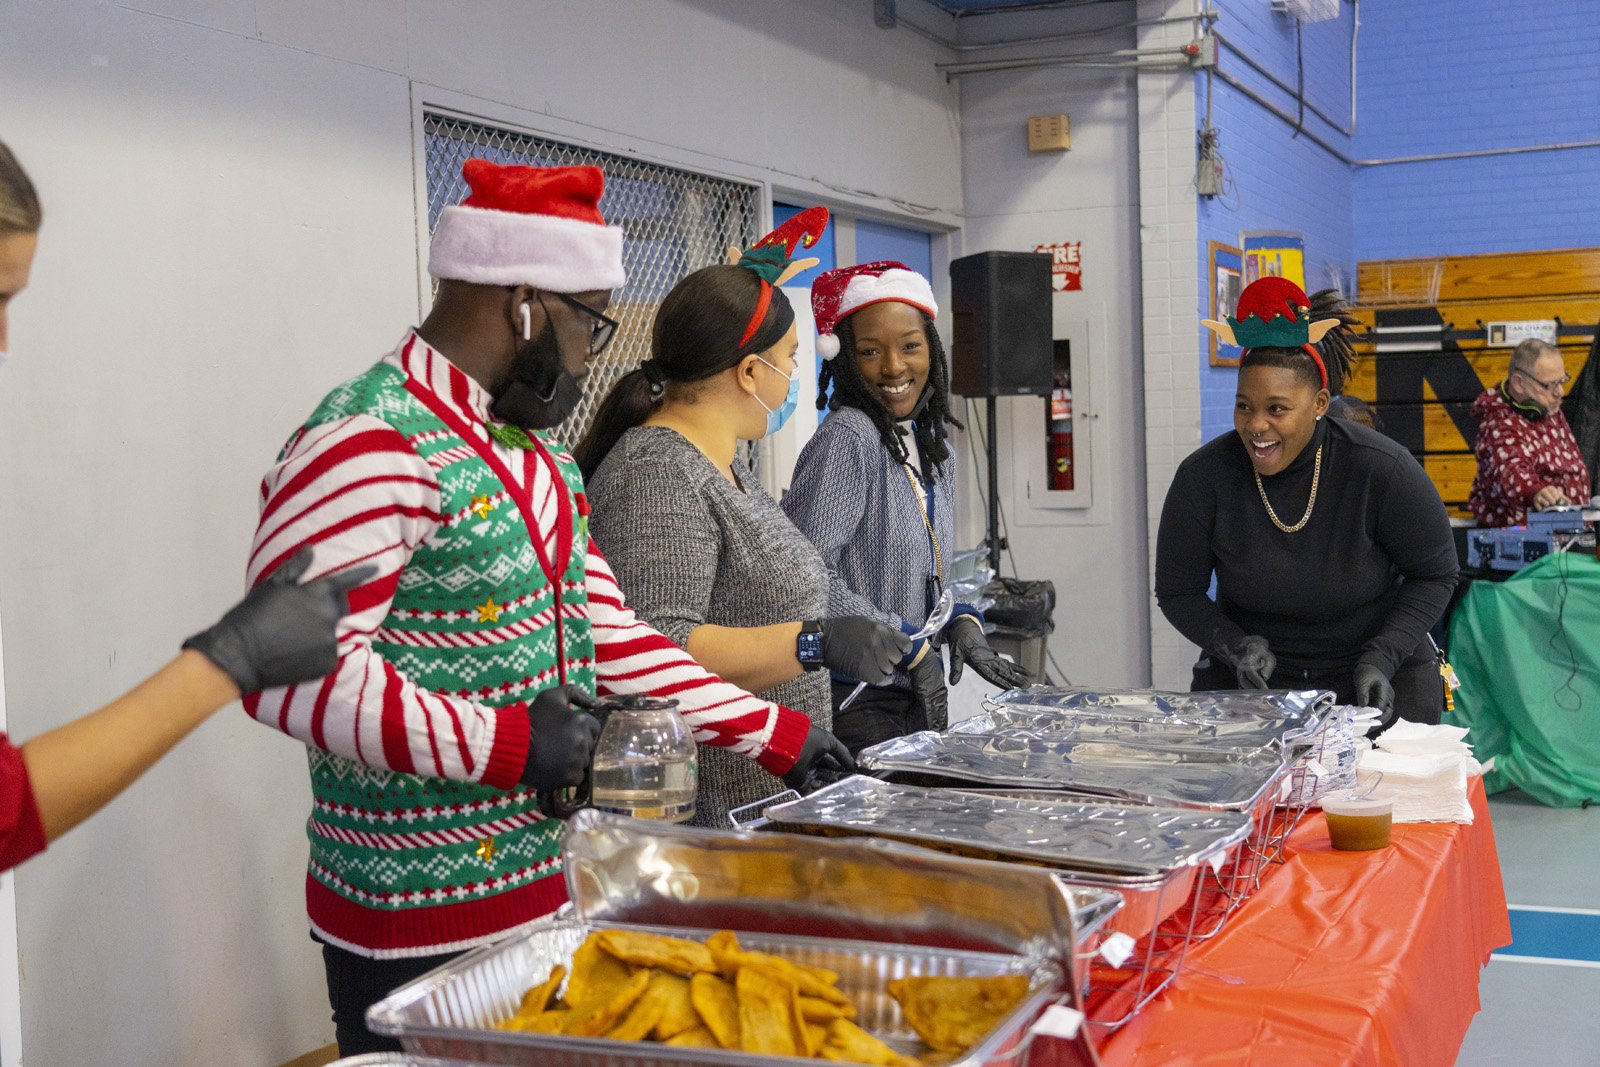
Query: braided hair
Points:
[1337, 347]
[850, 389]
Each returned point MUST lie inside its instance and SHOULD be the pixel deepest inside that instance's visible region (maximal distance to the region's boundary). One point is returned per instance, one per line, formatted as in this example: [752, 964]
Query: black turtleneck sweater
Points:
[1364, 581]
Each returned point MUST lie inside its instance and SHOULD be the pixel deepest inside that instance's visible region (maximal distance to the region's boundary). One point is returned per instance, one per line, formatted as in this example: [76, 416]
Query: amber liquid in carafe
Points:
[1358, 833]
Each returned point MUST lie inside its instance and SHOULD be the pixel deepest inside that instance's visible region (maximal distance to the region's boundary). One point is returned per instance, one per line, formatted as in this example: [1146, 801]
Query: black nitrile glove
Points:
[864, 649]
[822, 753]
[1372, 688]
[1252, 661]
[282, 632]
[927, 681]
[964, 634]
[561, 738]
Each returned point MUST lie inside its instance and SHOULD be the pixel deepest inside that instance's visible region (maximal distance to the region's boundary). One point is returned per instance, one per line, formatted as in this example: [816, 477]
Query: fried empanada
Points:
[645, 1013]
[695, 1037]
[817, 982]
[596, 974]
[817, 1010]
[546, 1022]
[652, 950]
[599, 1015]
[848, 1043]
[769, 1017]
[718, 1007]
[953, 1014]
[677, 1014]
[537, 999]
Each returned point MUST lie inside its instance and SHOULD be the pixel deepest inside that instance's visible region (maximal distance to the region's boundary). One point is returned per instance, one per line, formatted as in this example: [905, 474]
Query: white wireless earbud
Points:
[527, 323]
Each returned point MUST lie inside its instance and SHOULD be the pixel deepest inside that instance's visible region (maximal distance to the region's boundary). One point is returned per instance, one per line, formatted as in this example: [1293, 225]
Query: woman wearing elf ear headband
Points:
[704, 553]
[1330, 547]
[872, 490]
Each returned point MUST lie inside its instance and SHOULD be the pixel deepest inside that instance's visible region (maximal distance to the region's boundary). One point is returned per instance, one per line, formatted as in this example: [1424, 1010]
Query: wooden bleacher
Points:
[1422, 397]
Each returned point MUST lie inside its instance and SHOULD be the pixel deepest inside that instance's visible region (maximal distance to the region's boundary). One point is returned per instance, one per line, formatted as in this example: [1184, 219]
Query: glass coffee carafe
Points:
[644, 762]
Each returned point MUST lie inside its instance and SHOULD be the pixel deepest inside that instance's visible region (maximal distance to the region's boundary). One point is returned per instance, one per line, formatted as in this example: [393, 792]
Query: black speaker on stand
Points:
[1000, 307]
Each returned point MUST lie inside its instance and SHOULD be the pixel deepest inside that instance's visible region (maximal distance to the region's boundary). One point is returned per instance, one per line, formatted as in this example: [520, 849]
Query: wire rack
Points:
[1186, 913]
[674, 222]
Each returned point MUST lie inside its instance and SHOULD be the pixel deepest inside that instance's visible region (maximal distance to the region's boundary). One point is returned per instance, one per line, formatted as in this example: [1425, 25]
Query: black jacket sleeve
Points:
[1414, 528]
[1184, 564]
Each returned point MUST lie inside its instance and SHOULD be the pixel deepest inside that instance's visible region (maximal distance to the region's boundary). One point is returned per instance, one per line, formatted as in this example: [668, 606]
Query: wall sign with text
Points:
[1066, 265]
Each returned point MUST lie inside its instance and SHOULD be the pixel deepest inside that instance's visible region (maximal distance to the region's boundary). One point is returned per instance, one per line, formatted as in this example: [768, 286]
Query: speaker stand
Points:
[995, 543]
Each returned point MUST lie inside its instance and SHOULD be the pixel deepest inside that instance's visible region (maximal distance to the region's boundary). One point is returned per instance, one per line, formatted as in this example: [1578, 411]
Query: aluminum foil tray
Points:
[1180, 777]
[1173, 732]
[623, 870]
[1302, 706]
[452, 1011]
[396, 1059]
[1061, 832]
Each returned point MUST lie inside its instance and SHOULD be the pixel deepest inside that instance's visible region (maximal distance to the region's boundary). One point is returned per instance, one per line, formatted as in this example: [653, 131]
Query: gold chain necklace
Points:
[1316, 476]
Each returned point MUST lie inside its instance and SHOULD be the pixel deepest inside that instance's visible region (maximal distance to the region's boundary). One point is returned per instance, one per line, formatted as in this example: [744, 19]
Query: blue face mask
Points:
[776, 417]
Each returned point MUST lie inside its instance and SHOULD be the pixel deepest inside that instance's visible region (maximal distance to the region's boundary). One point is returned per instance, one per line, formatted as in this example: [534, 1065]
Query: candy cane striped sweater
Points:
[422, 841]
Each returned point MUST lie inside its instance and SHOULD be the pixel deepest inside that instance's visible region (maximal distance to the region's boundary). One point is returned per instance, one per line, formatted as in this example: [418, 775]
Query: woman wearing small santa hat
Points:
[872, 490]
[1330, 548]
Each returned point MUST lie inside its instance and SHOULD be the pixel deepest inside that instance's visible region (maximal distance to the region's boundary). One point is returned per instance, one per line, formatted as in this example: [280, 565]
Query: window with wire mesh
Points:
[673, 222]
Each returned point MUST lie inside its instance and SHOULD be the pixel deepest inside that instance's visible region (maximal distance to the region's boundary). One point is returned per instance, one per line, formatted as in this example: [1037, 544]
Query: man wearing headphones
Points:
[1527, 456]
[491, 621]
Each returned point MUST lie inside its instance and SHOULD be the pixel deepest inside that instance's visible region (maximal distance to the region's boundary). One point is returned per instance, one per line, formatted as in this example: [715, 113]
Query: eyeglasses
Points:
[1559, 383]
[602, 326]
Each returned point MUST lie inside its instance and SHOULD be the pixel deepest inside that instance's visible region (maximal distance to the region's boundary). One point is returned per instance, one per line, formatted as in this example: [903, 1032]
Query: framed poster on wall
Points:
[1274, 254]
[1227, 268]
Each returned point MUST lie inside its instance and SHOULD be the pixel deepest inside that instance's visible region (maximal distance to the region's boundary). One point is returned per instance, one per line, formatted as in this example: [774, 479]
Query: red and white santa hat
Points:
[837, 293]
[538, 226]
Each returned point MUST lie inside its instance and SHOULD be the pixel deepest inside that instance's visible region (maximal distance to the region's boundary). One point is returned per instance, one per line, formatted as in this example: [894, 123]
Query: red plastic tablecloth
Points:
[1344, 957]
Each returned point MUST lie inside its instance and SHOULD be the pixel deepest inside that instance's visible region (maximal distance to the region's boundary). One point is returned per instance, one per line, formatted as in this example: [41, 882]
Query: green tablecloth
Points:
[1528, 654]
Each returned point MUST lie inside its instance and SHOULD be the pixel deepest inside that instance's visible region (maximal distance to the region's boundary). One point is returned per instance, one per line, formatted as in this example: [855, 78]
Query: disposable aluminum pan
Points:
[628, 871]
[1091, 725]
[1300, 709]
[453, 1010]
[1071, 833]
[396, 1059]
[1219, 780]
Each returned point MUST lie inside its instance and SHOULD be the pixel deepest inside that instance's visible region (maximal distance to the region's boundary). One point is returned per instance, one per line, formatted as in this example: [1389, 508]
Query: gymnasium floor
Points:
[1541, 996]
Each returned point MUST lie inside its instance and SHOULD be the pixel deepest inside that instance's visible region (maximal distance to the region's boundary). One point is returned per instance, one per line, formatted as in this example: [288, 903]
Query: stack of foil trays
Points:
[1217, 751]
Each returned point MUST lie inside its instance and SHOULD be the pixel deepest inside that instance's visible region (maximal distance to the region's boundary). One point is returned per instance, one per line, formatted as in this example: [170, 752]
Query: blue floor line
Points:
[1556, 935]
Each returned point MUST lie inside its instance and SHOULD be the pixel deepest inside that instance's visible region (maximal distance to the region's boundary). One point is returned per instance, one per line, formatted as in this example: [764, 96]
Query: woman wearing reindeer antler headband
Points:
[704, 554]
[1331, 548]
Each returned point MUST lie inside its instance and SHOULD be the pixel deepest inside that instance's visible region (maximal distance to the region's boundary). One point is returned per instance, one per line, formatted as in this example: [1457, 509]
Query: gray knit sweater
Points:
[854, 502]
[689, 549]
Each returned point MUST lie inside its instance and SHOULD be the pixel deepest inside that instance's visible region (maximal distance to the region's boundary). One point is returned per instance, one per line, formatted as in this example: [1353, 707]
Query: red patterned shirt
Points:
[1517, 457]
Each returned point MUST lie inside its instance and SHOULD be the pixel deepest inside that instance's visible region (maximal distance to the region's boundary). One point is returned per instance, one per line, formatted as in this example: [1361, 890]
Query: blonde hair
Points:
[19, 201]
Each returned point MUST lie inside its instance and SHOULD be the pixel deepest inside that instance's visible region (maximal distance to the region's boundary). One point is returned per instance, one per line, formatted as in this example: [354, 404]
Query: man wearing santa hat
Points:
[492, 620]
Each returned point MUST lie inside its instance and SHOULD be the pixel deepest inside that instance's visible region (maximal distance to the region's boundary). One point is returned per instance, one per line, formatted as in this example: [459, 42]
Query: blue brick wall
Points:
[1280, 182]
[1470, 75]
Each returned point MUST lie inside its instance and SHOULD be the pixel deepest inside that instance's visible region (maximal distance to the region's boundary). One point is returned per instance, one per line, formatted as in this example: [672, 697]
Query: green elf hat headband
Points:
[1275, 313]
[771, 258]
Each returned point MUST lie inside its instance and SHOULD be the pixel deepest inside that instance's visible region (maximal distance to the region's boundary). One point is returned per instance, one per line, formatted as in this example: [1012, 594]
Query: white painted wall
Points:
[1169, 241]
[1016, 200]
[230, 230]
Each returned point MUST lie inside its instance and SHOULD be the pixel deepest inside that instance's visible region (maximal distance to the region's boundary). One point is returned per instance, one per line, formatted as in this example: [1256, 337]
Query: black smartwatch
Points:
[808, 645]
